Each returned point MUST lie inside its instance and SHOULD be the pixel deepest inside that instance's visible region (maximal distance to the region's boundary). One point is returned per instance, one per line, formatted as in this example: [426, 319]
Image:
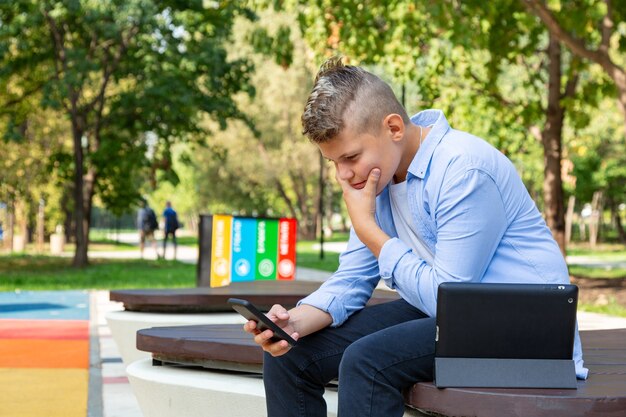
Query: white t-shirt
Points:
[404, 222]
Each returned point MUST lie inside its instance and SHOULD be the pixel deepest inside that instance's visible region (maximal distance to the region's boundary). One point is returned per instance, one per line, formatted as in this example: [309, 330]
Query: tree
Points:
[589, 29]
[131, 77]
[511, 36]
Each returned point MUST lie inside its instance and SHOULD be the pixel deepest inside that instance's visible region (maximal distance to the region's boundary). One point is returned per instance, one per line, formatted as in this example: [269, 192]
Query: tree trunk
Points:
[582, 229]
[80, 255]
[621, 234]
[595, 221]
[40, 227]
[616, 219]
[10, 230]
[67, 200]
[22, 210]
[552, 149]
[569, 219]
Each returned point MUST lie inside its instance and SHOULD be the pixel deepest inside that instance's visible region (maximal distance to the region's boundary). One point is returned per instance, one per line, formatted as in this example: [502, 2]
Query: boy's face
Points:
[355, 154]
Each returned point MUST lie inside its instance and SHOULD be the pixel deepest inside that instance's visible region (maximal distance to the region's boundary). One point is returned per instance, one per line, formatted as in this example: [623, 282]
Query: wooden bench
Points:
[188, 306]
[602, 395]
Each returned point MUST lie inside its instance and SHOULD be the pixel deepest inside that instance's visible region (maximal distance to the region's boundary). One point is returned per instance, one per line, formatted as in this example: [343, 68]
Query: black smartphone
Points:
[250, 312]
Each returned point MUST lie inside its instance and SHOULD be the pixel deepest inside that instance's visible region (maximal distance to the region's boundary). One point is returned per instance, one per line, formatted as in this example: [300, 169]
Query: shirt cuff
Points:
[326, 302]
[390, 254]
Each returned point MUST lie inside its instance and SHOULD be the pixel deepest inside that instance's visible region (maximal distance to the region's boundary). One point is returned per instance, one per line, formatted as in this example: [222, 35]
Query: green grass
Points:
[100, 234]
[39, 272]
[187, 240]
[338, 237]
[34, 272]
[602, 251]
[612, 308]
[308, 257]
[597, 272]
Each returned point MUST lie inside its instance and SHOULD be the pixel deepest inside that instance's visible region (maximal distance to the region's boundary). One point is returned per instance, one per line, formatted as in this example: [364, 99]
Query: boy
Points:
[428, 204]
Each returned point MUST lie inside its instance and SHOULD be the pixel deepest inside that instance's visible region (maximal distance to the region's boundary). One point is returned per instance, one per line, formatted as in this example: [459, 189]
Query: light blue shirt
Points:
[473, 212]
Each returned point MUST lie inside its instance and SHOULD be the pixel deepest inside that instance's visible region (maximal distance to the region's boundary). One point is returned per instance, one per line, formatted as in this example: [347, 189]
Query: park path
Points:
[44, 353]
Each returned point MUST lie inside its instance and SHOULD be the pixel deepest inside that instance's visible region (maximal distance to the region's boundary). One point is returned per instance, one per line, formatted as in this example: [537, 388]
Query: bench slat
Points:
[263, 294]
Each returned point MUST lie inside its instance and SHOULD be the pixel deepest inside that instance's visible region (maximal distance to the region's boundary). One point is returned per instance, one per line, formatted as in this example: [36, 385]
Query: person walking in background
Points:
[146, 225]
[171, 224]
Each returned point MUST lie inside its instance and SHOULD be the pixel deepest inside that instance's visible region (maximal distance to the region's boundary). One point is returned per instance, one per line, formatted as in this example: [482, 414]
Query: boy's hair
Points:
[337, 88]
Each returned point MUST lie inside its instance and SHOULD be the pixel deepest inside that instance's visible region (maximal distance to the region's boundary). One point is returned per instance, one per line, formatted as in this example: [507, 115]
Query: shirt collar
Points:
[440, 127]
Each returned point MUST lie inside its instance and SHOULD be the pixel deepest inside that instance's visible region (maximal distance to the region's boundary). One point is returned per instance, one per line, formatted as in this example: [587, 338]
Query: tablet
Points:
[521, 321]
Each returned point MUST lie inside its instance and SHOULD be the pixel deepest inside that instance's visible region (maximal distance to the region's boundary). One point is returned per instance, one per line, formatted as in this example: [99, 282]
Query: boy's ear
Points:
[394, 125]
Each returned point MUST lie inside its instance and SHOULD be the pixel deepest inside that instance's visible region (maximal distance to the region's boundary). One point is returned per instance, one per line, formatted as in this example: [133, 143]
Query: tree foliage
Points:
[29, 171]
[270, 169]
[494, 68]
[121, 72]
[593, 30]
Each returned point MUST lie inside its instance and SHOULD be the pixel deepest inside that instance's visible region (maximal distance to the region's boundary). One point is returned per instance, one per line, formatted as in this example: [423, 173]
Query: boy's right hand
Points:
[279, 315]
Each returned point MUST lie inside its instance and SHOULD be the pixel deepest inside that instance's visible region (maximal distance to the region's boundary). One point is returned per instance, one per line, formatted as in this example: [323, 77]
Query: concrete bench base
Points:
[125, 324]
[168, 391]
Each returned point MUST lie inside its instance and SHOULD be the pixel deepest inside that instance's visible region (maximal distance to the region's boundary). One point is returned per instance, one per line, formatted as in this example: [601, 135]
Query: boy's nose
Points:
[344, 172]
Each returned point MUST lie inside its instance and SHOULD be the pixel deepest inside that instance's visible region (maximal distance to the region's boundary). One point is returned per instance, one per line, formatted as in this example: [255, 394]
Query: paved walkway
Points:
[45, 363]
[594, 262]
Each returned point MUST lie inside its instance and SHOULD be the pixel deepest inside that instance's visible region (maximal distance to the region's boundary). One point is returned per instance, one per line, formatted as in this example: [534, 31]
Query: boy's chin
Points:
[381, 187]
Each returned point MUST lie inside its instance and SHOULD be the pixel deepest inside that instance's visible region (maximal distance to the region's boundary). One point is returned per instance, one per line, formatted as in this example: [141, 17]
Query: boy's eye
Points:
[351, 157]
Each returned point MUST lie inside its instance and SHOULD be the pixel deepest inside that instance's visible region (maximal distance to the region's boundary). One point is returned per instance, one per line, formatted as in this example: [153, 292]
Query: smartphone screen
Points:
[250, 312]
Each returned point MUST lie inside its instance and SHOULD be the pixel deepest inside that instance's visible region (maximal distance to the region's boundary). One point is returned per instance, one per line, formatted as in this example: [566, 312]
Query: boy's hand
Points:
[361, 205]
[279, 315]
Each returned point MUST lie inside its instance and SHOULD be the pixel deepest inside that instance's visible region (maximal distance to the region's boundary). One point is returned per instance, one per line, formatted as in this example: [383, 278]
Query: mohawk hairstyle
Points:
[337, 87]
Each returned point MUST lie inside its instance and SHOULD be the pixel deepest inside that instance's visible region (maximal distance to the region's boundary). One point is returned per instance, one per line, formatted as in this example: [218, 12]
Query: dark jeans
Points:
[376, 353]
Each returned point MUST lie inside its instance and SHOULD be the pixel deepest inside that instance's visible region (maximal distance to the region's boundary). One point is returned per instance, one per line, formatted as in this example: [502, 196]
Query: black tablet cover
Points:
[506, 321]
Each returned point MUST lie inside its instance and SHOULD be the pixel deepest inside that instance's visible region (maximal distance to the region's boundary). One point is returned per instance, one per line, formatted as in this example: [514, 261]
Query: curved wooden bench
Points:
[191, 306]
[602, 395]
[263, 294]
